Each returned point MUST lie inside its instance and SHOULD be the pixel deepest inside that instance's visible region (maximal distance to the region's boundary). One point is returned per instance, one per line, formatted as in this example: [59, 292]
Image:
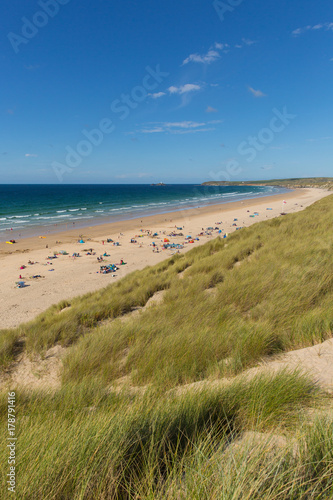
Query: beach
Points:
[65, 276]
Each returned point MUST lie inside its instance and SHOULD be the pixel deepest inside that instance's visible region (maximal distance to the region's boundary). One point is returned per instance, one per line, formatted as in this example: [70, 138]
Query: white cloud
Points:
[210, 109]
[247, 41]
[316, 27]
[319, 139]
[185, 124]
[193, 131]
[30, 154]
[157, 95]
[154, 130]
[214, 52]
[256, 93]
[184, 127]
[183, 89]
[211, 56]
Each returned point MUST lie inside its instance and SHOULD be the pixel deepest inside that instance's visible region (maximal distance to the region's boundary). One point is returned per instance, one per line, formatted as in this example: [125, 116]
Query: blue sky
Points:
[124, 91]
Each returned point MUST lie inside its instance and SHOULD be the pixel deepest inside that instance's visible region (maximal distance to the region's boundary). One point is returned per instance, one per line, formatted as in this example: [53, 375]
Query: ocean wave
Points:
[18, 216]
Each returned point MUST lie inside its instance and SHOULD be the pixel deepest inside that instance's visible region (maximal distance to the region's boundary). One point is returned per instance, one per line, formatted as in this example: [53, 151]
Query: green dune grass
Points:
[85, 442]
[175, 430]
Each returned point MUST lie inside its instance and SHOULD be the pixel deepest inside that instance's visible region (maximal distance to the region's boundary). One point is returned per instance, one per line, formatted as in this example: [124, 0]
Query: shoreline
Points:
[72, 277]
[100, 230]
[88, 221]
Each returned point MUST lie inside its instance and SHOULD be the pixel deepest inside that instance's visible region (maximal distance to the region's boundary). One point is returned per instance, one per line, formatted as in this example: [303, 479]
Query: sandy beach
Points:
[66, 276]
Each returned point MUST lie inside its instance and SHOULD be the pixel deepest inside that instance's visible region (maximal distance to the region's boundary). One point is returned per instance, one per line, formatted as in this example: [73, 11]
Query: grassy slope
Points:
[277, 297]
[318, 182]
[87, 442]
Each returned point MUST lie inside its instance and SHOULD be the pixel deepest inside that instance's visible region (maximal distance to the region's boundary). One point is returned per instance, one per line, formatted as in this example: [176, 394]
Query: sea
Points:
[30, 210]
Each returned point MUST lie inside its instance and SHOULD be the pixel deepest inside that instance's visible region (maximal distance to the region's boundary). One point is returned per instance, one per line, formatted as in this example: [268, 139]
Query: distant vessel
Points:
[159, 184]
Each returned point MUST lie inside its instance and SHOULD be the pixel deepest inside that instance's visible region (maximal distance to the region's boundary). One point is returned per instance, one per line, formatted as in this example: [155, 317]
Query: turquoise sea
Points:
[27, 210]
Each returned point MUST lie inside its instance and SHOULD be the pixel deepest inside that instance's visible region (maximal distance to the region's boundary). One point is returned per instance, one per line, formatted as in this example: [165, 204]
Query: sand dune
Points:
[67, 277]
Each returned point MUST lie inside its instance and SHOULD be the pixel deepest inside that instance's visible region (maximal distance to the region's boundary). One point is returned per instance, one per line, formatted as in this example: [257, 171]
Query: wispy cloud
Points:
[184, 89]
[210, 109]
[157, 95]
[31, 155]
[256, 93]
[211, 56]
[154, 130]
[320, 139]
[193, 131]
[184, 127]
[184, 124]
[247, 41]
[215, 51]
[315, 27]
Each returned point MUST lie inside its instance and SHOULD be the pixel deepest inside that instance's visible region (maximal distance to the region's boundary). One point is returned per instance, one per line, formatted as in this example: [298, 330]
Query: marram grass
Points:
[176, 430]
[85, 442]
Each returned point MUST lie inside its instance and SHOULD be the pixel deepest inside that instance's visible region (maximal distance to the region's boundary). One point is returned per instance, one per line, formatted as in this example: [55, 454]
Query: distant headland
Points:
[309, 182]
[158, 184]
